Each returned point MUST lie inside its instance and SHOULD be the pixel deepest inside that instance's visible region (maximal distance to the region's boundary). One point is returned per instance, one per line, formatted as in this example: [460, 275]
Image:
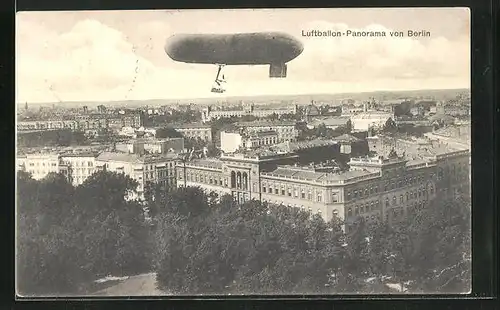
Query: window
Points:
[282, 191]
[335, 197]
[319, 198]
[401, 199]
[276, 191]
[349, 212]
[387, 202]
[407, 196]
[356, 210]
[303, 194]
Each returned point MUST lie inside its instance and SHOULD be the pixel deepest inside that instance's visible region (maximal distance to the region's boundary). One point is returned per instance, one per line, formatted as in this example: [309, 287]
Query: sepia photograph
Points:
[243, 152]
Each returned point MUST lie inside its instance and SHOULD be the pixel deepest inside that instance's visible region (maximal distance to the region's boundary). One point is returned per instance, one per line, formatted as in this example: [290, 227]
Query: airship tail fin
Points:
[277, 71]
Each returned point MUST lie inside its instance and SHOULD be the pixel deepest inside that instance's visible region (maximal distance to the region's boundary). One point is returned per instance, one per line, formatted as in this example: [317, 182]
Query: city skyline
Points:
[114, 59]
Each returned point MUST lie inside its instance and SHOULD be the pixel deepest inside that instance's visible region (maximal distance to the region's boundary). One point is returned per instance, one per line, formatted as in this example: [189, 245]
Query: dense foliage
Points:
[68, 237]
[204, 244]
[209, 247]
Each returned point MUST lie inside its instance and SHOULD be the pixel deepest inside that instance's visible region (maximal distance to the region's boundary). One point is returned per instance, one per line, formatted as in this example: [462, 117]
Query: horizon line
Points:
[235, 96]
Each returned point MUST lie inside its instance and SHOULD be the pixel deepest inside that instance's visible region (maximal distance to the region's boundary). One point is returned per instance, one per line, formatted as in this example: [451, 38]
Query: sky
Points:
[119, 55]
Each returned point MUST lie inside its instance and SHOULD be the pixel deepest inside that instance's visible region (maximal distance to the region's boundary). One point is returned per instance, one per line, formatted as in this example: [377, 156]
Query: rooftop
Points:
[266, 123]
[134, 158]
[299, 145]
[264, 133]
[331, 121]
[212, 163]
[189, 125]
[347, 138]
[373, 114]
[307, 174]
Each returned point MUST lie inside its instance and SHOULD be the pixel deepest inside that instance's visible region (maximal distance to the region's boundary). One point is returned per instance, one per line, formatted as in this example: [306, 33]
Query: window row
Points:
[43, 164]
[294, 192]
[195, 177]
[364, 208]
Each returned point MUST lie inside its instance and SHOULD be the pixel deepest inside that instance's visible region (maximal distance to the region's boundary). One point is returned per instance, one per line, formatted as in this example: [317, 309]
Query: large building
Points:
[333, 123]
[452, 109]
[209, 113]
[375, 188]
[152, 169]
[195, 131]
[367, 120]
[39, 165]
[79, 166]
[232, 141]
[152, 146]
[86, 122]
[286, 130]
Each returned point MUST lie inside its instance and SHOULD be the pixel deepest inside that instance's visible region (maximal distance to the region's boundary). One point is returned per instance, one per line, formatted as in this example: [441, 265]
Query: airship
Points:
[275, 49]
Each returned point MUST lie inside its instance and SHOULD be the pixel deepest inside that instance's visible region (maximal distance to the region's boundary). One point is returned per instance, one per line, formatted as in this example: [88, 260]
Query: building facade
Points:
[145, 169]
[375, 188]
[209, 113]
[286, 130]
[368, 120]
[40, 165]
[86, 122]
[195, 131]
[233, 141]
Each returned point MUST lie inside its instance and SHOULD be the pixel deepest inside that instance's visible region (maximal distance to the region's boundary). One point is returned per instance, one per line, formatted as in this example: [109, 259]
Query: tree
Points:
[168, 132]
[48, 257]
[390, 126]
[112, 227]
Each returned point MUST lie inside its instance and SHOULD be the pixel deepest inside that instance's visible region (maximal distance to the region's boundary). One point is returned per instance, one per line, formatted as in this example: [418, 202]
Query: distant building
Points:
[330, 122]
[195, 131]
[101, 109]
[209, 113]
[311, 111]
[230, 142]
[286, 130]
[86, 122]
[233, 141]
[365, 121]
[152, 146]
